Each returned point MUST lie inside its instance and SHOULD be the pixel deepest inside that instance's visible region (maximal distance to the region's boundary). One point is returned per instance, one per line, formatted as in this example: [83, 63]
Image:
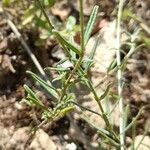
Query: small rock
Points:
[42, 141]
[19, 139]
[71, 146]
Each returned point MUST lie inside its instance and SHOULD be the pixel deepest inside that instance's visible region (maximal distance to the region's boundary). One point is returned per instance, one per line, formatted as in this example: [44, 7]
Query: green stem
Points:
[63, 92]
[82, 27]
[109, 126]
[46, 16]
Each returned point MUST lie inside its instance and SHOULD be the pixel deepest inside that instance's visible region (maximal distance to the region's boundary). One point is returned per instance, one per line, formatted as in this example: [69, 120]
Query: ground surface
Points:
[16, 119]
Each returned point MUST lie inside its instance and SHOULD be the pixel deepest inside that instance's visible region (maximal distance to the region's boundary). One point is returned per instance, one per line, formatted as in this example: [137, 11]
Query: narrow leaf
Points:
[36, 102]
[90, 24]
[126, 115]
[105, 93]
[57, 69]
[112, 65]
[32, 97]
[65, 42]
[49, 88]
[30, 92]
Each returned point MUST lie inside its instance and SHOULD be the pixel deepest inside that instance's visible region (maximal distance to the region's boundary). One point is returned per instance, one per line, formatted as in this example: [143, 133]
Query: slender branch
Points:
[82, 26]
[119, 75]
